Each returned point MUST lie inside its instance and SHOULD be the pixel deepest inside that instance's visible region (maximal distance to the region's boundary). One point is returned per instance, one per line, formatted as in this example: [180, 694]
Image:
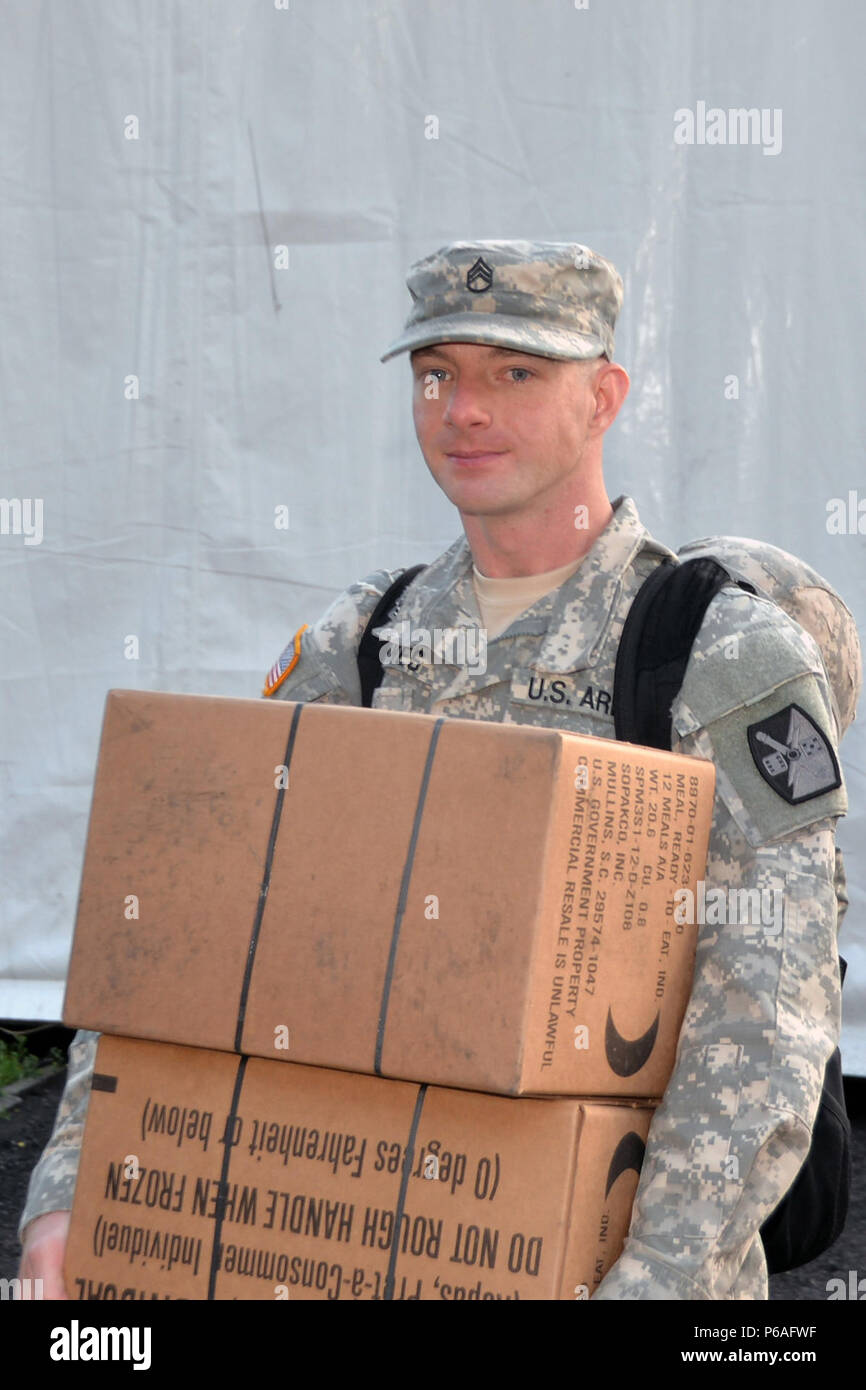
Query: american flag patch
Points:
[286, 663]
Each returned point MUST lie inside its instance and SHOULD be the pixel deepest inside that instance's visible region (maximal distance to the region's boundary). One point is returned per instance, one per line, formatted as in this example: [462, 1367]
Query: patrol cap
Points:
[552, 298]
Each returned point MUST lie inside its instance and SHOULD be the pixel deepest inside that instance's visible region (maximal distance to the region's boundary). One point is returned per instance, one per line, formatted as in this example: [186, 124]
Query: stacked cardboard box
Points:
[353, 939]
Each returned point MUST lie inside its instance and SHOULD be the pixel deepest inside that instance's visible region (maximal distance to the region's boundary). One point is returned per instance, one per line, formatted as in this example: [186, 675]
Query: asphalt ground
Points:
[25, 1129]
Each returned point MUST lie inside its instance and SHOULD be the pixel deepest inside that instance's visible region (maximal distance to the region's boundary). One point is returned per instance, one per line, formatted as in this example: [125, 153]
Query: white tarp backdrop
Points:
[169, 378]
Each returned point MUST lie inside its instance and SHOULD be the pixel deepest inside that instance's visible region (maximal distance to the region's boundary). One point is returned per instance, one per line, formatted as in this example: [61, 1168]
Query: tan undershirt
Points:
[503, 600]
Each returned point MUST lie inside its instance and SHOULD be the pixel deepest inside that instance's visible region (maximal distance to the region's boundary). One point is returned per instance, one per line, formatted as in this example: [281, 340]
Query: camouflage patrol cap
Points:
[552, 298]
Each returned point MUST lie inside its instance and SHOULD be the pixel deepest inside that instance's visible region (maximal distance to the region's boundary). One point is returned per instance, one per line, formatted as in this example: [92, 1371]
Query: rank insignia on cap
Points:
[287, 662]
[479, 277]
[794, 755]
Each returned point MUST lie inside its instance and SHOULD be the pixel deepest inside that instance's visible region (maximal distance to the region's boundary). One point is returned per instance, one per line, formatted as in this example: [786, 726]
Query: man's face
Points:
[526, 418]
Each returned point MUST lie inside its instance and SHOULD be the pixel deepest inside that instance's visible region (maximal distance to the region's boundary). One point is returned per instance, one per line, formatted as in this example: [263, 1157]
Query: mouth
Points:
[475, 457]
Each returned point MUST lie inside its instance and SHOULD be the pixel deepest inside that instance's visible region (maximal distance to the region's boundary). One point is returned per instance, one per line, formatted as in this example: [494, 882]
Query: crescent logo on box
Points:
[628, 1153]
[627, 1056]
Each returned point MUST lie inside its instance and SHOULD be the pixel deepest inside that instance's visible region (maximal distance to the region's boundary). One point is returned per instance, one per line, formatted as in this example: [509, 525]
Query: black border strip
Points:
[263, 891]
[404, 893]
[222, 1190]
[401, 1199]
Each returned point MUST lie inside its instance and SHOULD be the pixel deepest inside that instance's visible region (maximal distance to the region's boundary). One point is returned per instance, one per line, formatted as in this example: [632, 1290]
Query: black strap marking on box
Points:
[388, 1293]
[263, 891]
[404, 893]
[223, 1185]
[101, 1082]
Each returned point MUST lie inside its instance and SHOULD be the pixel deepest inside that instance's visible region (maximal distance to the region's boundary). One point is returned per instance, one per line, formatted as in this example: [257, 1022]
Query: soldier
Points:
[514, 387]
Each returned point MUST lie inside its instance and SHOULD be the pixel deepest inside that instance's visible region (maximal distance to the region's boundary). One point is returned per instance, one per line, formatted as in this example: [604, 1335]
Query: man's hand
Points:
[42, 1254]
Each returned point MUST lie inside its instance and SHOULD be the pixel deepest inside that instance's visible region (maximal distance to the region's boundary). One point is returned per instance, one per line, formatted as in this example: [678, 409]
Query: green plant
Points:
[15, 1061]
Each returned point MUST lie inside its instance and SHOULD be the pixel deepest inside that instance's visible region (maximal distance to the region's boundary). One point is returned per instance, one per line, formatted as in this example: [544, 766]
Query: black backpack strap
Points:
[659, 632]
[369, 665]
[657, 638]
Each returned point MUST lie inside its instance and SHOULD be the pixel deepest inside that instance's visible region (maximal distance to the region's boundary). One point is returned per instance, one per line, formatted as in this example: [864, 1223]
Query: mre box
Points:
[454, 901]
[209, 1176]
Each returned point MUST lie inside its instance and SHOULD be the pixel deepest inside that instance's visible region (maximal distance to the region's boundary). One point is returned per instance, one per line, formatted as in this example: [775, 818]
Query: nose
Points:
[465, 405]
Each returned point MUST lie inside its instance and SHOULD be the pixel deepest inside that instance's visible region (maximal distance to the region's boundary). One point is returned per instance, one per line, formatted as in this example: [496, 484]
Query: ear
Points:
[611, 387]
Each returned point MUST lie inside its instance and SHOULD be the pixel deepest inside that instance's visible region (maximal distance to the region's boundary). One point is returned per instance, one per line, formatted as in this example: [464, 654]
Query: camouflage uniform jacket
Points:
[735, 1122]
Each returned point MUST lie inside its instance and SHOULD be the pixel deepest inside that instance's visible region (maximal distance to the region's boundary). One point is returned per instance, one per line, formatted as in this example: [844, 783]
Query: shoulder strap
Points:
[369, 665]
[657, 638]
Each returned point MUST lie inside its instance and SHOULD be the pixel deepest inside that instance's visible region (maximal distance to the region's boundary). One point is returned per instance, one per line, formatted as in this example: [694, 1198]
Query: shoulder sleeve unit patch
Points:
[777, 767]
[794, 755]
[285, 664]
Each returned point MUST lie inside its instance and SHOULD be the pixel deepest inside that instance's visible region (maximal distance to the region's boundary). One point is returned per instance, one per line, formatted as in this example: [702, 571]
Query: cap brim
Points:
[498, 330]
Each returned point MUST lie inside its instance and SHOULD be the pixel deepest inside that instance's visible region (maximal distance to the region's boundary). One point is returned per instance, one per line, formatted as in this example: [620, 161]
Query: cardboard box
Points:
[445, 900]
[208, 1176]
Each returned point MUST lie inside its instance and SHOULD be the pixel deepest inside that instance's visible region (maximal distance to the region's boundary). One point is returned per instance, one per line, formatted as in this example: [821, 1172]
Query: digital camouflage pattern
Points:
[763, 1018]
[557, 299]
[808, 598]
[52, 1182]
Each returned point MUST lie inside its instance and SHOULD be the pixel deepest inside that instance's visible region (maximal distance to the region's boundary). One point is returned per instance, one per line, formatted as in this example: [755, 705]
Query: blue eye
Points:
[525, 370]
